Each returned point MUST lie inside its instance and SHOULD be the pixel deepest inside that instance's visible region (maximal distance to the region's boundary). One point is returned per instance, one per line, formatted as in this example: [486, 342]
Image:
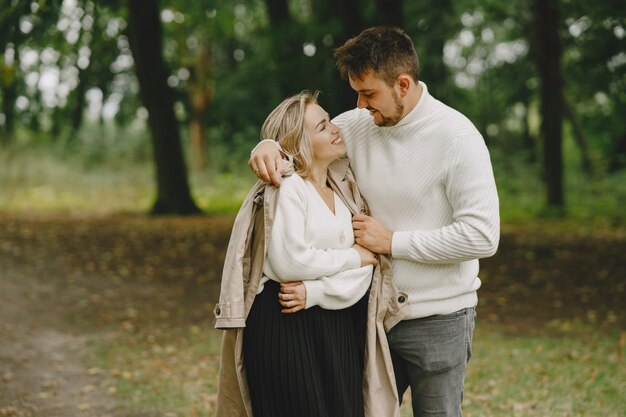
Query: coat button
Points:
[218, 311]
[401, 299]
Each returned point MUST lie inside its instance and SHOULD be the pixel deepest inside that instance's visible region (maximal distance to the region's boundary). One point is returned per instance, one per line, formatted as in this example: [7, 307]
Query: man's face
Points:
[382, 101]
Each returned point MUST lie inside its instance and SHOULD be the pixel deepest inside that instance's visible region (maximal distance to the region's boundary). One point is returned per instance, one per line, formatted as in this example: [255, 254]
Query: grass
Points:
[546, 375]
[168, 374]
[45, 180]
[102, 179]
[175, 374]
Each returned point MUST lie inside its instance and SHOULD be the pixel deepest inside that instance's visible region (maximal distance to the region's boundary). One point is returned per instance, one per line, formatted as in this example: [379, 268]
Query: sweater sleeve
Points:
[471, 191]
[340, 290]
[289, 257]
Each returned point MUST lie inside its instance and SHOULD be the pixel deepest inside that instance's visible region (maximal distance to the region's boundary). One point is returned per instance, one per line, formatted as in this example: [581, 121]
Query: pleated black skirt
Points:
[305, 364]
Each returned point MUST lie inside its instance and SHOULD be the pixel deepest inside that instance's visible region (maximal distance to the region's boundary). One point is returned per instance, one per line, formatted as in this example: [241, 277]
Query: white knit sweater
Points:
[428, 179]
[310, 243]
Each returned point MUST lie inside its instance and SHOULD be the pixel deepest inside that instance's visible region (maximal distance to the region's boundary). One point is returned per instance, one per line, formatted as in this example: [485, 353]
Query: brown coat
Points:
[243, 269]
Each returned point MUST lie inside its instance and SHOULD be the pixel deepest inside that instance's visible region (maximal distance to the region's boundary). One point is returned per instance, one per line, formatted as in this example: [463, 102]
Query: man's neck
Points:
[412, 99]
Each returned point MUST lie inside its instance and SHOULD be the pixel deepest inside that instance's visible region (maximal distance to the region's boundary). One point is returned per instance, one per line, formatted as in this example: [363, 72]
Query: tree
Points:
[390, 12]
[548, 53]
[144, 29]
[286, 49]
[10, 36]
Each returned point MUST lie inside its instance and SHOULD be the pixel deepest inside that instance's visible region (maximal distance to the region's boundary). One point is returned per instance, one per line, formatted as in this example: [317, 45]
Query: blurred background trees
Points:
[544, 81]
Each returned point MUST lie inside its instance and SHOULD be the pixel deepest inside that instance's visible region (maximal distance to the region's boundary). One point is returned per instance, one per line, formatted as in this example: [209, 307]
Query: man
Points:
[425, 172]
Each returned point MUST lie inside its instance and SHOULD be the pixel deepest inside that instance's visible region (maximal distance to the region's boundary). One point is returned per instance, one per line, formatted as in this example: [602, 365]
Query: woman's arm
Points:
[289, 257]
[334, 292]
[339, 291]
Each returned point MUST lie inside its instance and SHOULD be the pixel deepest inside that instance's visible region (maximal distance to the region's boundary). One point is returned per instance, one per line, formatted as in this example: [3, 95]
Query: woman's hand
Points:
[367, 256]
[292, 295]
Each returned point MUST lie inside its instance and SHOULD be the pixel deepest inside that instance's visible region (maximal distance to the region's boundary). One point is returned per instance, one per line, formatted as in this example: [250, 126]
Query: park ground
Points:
[111, 316]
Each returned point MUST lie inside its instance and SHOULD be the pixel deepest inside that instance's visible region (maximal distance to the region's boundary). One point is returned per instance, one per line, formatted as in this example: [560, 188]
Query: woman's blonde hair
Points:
[285, 124]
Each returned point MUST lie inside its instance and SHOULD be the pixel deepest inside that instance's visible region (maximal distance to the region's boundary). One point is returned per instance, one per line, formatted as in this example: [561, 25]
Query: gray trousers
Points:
[430, 355]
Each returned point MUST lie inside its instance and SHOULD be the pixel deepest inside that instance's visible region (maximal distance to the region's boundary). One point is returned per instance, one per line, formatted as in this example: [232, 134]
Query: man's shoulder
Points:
[350, 117]
[452, 121]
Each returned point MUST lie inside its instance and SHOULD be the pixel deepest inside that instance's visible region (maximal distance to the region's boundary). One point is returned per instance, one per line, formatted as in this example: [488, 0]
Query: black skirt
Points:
[305, 364]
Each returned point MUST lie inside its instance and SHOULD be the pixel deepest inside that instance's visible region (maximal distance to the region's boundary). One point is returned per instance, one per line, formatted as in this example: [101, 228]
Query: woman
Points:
[307, 363]
[293, 277]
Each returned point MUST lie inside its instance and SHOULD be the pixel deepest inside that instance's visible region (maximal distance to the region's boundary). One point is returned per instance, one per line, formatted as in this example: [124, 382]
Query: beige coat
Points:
[243, 269]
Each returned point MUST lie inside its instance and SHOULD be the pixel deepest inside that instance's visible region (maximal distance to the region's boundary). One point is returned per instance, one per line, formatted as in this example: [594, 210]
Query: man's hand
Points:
[266, 163]
[292, 295]
[372, 234]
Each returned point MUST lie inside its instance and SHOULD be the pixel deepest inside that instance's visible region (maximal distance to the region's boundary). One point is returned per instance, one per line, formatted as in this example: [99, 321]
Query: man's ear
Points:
[404, 83]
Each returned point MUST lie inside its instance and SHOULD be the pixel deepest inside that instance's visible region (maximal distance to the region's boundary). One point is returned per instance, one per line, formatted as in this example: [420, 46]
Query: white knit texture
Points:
[309, 243]
[428, 179]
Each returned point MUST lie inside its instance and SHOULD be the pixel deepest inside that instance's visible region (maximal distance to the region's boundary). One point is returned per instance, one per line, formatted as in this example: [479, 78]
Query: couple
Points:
[299, 264]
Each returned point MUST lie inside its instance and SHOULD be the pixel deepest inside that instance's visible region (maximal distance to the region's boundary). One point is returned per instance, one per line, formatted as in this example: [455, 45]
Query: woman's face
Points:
[325, 138]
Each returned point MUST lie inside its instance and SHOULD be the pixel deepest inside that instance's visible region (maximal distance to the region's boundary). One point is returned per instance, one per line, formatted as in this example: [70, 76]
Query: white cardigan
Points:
[312, 244]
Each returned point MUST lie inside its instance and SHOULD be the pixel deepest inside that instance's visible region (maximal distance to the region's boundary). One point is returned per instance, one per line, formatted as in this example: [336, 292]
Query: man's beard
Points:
[395, 117]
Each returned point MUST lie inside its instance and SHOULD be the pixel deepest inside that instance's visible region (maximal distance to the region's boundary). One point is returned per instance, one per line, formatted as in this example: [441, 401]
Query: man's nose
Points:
[361, 103]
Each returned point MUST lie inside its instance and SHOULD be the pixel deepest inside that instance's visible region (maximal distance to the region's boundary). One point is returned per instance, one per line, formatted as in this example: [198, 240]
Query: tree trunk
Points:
[144, 29]
[352, 23]
[529, 142]
[389, 13]
[581, 140]
[286, 47]
[81, 88]
[10, 34]
[441, 27]
[548, 59]
[278, 11]
[200, 90]
[79, 106]
[618, 158]
[9, 95]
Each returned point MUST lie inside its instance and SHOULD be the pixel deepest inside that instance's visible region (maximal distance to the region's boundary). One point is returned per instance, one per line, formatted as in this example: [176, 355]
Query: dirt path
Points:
[66, 286]
[42, 361]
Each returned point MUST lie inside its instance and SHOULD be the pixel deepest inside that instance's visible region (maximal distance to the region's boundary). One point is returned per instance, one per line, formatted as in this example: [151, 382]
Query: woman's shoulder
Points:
[293, 185]
[293, 182]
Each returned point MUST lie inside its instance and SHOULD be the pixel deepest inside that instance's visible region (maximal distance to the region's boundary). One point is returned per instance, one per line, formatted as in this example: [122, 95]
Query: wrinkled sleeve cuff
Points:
[314, 292]
[400, 244]
[266, 140]
[354, 261]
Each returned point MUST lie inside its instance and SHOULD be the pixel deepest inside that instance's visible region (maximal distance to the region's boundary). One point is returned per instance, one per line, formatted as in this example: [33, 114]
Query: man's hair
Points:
[285, 124]
[387, 51]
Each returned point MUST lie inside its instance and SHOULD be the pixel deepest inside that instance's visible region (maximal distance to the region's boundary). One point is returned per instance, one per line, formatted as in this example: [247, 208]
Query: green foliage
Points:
[66, 64]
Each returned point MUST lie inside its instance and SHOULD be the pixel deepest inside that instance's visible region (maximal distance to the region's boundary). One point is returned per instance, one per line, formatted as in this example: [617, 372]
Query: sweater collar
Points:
[420, 108]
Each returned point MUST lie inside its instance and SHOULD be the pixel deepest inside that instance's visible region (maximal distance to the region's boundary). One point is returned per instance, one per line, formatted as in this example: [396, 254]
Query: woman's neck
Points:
[319, 175]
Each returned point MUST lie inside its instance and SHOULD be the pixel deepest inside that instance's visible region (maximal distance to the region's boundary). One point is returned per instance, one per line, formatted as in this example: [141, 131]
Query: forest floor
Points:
[112, 316]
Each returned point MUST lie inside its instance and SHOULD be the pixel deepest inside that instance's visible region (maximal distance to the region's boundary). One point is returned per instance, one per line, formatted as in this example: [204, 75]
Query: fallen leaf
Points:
[88, 388]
